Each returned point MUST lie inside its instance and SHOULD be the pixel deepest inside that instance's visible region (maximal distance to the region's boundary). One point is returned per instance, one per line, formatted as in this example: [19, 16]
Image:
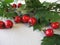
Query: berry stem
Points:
[3, 15]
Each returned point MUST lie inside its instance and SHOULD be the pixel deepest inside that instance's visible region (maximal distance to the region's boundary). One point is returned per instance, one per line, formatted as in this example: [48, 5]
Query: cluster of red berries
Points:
[7, 24]
[16, 5]
[49, 32]
[25, 19]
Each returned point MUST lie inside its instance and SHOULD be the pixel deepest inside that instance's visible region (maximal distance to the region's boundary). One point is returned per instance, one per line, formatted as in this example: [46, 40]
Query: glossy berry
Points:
[8, 24]
[49, 32]
[32, 21]
[14, 5]
[17, 19]
[25, 18]
[55, 25]
[1, 24]
[19, 5]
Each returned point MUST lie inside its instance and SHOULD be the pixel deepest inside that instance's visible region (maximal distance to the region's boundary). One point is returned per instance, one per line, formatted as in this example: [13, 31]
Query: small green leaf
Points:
[37, 26]
[9, 1]
[10, 14]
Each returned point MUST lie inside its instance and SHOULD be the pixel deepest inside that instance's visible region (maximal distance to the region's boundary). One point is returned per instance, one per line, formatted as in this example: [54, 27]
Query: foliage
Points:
[6, 9]
[32, 4]
[55, 40]
[45, 12]
[7, 1]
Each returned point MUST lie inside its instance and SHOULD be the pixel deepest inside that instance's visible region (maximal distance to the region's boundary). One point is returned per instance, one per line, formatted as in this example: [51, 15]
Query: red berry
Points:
[17, 19]
[19, 5]
[14, 5]
[1, 24]
[49, 32]
[8, 24]
[55, 25]
[25, 18]
[32, 21]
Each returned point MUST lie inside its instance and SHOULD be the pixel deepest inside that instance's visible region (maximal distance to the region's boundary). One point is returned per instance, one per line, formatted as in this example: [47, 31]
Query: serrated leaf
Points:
[53, 16]
[54, 40]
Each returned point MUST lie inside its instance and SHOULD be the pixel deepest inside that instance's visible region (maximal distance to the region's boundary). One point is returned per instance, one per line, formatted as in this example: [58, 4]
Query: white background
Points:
[21, 34]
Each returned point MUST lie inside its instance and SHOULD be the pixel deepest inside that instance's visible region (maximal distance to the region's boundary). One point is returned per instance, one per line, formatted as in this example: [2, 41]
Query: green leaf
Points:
[53, 16]
[33, 3]
[10, 14]
[54, 40]
[45, 17]
[9, 1]
[46, 4]
[37, 26]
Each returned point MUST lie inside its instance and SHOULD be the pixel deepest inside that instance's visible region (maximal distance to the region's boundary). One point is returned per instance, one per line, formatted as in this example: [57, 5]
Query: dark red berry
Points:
[8, 24]
[49, 32]
[19, 5]
[25, 18]
[17, 19]
[14, 5]
[1, 24]
[55, 25]
[32, 21]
